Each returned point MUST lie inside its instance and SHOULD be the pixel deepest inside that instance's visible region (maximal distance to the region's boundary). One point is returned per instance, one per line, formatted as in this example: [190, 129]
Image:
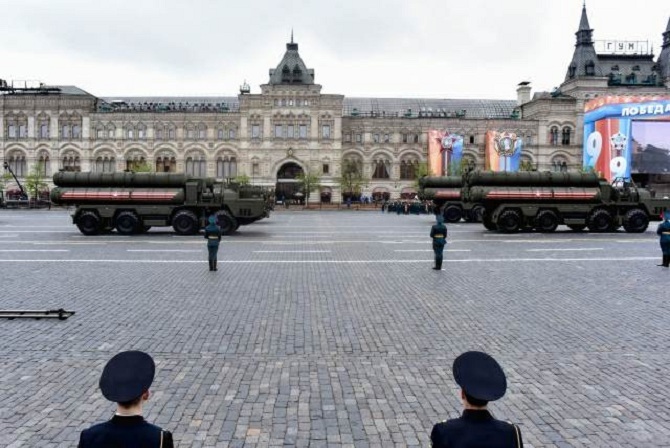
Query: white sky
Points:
[378, 48]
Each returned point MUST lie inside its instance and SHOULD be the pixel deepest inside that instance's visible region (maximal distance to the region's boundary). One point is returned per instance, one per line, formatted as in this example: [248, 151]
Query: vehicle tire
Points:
[600, 221]
[635, 221]
[127, 223]
[577, 227]
[227, 222]
[477, 214]
[453, 214]
[185, 222]
[88, 223]
[488, 224]
[546, 221]
[509, 221]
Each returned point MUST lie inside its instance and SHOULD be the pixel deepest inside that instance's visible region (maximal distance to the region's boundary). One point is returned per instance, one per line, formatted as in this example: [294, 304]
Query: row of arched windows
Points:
[163, 132]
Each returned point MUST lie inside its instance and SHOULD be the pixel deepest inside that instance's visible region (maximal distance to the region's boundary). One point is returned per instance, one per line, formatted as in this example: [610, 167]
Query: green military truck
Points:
[134, 202]
[545, 200]
[445, 192]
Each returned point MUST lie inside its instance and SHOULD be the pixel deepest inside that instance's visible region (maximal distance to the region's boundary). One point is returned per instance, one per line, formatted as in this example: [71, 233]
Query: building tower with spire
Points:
[584, 60]
[664, 57]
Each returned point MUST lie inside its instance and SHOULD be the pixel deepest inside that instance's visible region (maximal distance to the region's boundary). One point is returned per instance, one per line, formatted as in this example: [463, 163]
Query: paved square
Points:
[330, 329]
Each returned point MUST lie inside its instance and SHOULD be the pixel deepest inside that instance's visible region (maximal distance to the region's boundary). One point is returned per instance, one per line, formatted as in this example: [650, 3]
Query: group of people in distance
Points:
[126, 380]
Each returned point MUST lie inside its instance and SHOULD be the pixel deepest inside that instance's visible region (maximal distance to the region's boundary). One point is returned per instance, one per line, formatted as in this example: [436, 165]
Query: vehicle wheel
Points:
[88, 223]
[127, 223]
[509, 221]
[227, 222]
[546, 221]
[577, 227]
[185, 222]
[600, 221]
[477, 214]
[488, 224]
[635, 221]
[453, 214]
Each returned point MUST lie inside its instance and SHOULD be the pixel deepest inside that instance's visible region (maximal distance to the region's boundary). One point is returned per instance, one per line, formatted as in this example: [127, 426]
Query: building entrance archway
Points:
[288, 187]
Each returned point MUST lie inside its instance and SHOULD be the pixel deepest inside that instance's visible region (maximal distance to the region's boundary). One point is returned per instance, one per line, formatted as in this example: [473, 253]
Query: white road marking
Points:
[162, 250]
[564, 250]
[290, 251]
[473, 260]
[430, 250]
[34, 250]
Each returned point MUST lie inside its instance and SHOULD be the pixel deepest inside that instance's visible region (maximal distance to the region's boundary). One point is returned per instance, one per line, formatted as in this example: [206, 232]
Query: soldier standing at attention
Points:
[126, 380]
[213, 237]
[481, 380]
[663, 231]
[439, 235]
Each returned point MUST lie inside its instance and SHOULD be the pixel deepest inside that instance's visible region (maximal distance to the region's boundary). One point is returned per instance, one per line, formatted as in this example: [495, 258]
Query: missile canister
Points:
[532, 179]
[125, 179]
[441, 182]
[76, 196]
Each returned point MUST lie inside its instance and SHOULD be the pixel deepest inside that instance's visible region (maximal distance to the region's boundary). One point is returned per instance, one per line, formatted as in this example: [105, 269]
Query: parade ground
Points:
[331, 329]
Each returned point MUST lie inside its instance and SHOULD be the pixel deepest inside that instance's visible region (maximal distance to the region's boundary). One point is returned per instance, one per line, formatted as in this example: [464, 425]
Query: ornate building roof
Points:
[428, 108]
[291, 69]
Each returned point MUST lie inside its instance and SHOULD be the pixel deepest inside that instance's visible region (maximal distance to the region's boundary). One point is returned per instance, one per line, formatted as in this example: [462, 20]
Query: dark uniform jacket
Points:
[476, 429]
[213, 235]
[663, 230]
[439, 234]
[125, 432]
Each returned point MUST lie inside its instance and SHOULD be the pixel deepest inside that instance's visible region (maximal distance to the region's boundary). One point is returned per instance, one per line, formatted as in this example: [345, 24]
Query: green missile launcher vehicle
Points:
[445, 192]
[545, 200]
[134, 202]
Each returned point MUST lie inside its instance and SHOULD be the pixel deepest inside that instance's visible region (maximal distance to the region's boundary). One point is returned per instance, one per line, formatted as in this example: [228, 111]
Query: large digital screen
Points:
[627, 134]
[651, 146]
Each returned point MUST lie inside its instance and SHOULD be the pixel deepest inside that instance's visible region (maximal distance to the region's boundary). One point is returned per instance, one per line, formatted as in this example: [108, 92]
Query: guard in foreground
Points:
[213, 237]
[126, 380]
[663, 231]
[481, 380]
[439, 235]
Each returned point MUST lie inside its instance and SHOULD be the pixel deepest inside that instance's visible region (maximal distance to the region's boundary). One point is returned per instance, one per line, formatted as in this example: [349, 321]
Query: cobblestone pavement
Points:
[330, 329]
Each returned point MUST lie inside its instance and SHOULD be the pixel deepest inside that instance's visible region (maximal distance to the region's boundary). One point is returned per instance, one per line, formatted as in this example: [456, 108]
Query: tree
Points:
[526, 165]
[242, 179]
[421, 171]
[35, 181]
[309, 182]
[142, 167]
[352, 179]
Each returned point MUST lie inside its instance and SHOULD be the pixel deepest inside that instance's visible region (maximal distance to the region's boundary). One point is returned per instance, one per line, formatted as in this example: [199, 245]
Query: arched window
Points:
[43, 128]
[220, 133]
[196, 166]
[111, 131]
[559, 164]
[71, 162]
[408, 169]
[105, 164]
[381, 169]
[17, 163]
[141, 132]
[44, 165]
[553, 136]
[565, 136]
[202, 132]
[226, 167]
[166, 163]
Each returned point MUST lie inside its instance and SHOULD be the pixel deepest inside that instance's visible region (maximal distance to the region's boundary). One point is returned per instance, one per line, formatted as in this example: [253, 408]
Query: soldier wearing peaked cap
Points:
[126, 380]
[481, 380]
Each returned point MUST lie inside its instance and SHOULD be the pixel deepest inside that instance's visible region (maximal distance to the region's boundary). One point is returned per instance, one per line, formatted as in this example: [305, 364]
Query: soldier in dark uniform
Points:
[663, 231]
[439, 235]
[481, 380]
[213, 237]
[126, 380]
